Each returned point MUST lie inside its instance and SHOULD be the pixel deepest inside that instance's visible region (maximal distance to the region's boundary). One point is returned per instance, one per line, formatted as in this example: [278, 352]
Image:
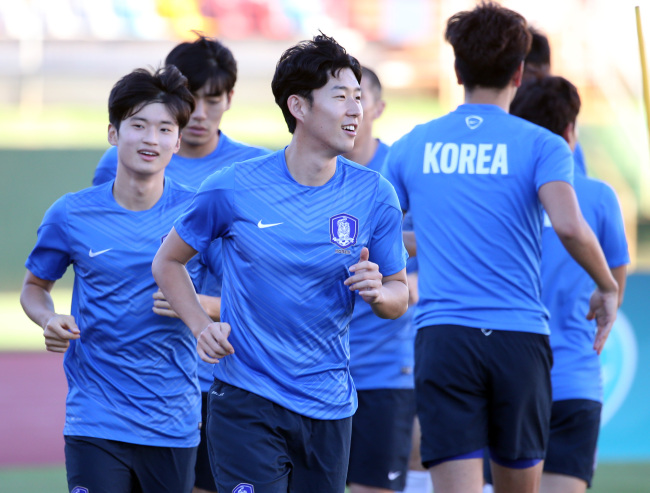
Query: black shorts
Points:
[258, 445]
[574, 435]
[204, 478]
[381, 438]
[97, 465]
[476, 388]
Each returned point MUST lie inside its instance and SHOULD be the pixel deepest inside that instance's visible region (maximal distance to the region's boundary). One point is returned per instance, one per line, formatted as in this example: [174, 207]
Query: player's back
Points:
[470, 180]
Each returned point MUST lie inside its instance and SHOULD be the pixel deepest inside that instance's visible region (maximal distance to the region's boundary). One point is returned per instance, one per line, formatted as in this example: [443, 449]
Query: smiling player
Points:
[303, 229]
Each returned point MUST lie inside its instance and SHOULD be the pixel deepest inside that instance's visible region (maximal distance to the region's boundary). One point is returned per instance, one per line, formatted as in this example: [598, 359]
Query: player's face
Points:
[370, 105]
[146, 140]
[200, 136]
[335, 113]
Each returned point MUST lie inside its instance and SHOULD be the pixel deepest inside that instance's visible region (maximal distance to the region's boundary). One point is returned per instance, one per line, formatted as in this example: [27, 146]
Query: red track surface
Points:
[32, 408]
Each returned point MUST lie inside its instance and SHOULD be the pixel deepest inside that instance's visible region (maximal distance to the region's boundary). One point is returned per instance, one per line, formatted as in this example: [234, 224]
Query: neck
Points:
[137, 193]
[488, 95]
[310, 167]
[364, 150]
[198, 151]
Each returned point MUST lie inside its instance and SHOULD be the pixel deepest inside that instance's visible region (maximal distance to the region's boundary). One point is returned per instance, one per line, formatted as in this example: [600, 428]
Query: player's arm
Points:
[36, 300]
[211, 305]
[620, 274]
[174, 281]
[561, 205]
[409, 242]
[388, 296]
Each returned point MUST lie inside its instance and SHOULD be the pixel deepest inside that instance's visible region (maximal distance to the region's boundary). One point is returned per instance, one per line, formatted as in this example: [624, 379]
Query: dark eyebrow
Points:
[163, 122]
[346, 88]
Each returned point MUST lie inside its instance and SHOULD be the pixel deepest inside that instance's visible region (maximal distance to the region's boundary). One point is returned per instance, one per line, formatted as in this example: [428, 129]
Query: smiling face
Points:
[146, 140]
[200, 136]
[332, 118]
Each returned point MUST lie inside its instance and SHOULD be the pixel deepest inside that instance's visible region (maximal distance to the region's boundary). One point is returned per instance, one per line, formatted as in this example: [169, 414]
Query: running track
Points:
[32, 408]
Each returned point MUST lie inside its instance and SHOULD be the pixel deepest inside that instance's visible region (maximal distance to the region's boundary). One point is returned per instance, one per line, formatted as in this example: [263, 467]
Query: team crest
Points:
[343, 230]
[473, 121]
[79, 489]
[244, 488]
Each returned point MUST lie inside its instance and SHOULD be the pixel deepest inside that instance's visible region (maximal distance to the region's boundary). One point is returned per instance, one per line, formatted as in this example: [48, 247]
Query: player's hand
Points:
[161, 306]
[366, 279]
[59, 331]
[602, 307]
[213, 342]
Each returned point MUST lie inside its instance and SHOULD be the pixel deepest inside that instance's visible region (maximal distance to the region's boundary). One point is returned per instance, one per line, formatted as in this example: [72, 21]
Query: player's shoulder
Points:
[590, 187]
[247, 151]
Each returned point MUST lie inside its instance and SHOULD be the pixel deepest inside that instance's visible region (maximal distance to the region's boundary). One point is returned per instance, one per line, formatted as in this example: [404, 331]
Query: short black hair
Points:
[141, 87]
[205, 61]
[551, 102]
[308, 66]
[489, 42]
[540, 50]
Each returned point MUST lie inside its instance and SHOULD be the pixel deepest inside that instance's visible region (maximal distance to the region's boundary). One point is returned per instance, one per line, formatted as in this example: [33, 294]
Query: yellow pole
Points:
[644, 68]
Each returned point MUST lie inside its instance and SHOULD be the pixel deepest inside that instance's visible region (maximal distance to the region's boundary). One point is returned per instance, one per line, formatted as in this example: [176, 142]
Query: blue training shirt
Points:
[381, 350]
[471, 179]
[192, 172]
[287, 249]
[567, 289]
[132, 374]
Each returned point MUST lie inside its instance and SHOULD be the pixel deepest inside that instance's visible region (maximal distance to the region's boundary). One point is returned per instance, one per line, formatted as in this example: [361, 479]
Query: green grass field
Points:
[610, 478]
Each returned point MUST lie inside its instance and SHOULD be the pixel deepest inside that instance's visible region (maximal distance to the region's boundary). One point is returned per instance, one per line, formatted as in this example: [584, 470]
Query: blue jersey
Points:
[132, 374]
[579, 160]
[567, 289]
[381, 350]
[287, 249]
[192, 172]
[471, 179]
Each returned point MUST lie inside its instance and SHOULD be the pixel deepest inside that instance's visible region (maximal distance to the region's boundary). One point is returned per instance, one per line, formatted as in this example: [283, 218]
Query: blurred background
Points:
[60, 58]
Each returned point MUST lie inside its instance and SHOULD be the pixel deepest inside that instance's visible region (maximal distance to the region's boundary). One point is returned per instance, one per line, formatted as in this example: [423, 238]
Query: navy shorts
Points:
[574, 435]
[381, 438]
[258, 445]
[204, 478]
[97, 465]
[477, 388]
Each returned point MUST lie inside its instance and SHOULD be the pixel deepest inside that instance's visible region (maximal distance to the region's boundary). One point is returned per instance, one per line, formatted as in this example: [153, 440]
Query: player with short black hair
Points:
[554, 103]
[133, 404]
[475, 181]
[302, 229]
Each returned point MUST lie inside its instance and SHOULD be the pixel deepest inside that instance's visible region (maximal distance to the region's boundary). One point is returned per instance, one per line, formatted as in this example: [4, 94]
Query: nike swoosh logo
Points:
[394, 475]
[94, 254]
[262, 226]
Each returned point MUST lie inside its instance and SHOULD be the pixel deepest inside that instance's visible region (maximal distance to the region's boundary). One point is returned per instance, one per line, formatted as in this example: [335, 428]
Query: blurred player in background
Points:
[554, 103]
[211, 70]
[302, 228]
[475, 181]
[381, 352]
[133, 404]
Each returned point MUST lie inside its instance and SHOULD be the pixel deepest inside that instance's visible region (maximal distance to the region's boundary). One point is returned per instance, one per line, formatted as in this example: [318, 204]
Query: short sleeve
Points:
[555, 160]
[386, 246]
[51, 255]
[107, 167]
[210, 214]
[393, 170]
[611, 234]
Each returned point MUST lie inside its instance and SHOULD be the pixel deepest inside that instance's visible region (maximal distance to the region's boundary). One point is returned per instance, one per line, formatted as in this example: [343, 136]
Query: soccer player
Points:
[381, 353]
[554, 103]
[475, 181]
[211, 70]
[302, 229]
[133, 404]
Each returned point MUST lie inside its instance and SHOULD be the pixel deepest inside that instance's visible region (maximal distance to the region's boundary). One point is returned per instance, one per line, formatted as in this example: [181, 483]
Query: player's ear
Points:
[570, 135]
[380, 106]
[112, 134]
[229, 99]
[517, 77]
[297, 107]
